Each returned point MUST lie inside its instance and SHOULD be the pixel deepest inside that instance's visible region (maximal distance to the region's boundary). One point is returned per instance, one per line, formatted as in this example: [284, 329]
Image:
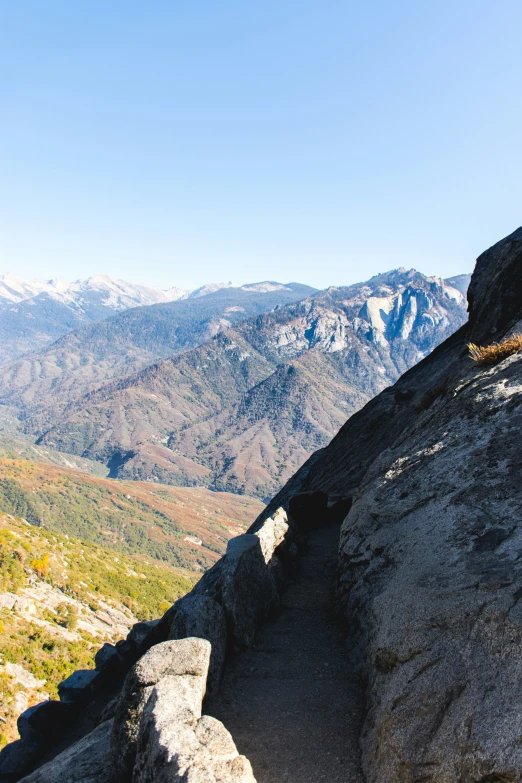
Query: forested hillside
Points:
[60, 599]
[34, 313]
[184, 527]
[124, 343]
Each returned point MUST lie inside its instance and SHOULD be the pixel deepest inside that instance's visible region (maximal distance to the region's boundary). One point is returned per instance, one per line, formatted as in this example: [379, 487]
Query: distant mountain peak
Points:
[265, 286]
[210, 288]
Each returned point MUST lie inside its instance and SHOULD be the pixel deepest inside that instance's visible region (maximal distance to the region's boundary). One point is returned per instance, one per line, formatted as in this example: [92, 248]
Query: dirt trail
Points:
[290, 703]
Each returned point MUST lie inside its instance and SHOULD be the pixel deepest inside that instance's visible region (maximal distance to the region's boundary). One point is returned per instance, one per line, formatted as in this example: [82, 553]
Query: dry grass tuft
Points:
[494, 353]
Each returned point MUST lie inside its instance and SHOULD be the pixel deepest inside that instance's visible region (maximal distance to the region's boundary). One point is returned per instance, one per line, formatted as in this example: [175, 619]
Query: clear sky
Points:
[175, 142]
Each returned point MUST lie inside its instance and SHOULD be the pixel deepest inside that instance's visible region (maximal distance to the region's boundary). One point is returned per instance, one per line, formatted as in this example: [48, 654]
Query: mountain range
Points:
[129, 341]
[34, 313]
[239, 411]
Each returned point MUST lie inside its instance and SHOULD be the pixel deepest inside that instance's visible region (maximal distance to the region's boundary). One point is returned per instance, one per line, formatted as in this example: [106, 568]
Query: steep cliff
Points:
[429, 573]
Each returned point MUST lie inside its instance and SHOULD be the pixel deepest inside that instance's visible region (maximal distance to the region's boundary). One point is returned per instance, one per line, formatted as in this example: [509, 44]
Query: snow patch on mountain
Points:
[114, 294]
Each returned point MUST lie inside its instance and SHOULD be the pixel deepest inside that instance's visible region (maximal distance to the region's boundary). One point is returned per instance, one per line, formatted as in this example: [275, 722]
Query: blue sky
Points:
[176, 142]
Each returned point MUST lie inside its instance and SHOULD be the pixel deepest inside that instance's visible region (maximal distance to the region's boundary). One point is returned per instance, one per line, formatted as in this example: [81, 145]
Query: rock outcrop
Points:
[429, 575]
[83, 762]
[188, 659]
[175, 741]
[204, 618]
[158, 734]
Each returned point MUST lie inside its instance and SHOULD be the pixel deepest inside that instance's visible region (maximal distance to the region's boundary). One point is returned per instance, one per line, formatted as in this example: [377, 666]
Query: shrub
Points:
[494, 353]
[41, 566]
[67, 616]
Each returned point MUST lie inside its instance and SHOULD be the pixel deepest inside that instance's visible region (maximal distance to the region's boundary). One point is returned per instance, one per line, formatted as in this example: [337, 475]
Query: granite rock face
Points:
[159, 733]
[176, 743]
[84, 762]
[431, 580]
[429, 575]
[495, 291]
[249, 591]
[273, 533]
[184, 658]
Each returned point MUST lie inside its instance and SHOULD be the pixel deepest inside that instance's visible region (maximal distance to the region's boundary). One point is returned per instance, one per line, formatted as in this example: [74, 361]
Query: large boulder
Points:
[495, 291]
[141, 636]
[185, 657]
[80, 686]
[274, 531]
[112, 662]
[20, 757]
[46, 720]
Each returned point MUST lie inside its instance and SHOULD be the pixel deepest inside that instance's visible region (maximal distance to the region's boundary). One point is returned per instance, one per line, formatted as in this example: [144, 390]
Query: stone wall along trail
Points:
[290, 703]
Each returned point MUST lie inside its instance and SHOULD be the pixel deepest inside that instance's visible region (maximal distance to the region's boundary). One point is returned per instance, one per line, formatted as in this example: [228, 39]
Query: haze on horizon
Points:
[179, 144]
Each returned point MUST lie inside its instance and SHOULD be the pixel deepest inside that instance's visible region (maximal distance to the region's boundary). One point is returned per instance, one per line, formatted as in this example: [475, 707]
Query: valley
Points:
[180, 526]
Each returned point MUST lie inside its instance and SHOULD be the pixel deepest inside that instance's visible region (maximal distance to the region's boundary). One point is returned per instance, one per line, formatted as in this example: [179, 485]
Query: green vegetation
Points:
[85, 557]
[85, 572]
[85, 510]
[16, 501]
[51, 644]
[12, 557]
[47, 656]
[124, 517]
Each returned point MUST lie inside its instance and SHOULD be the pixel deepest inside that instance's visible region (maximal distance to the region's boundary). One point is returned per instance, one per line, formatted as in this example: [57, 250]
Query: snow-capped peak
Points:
[98, 289]
[115, 294]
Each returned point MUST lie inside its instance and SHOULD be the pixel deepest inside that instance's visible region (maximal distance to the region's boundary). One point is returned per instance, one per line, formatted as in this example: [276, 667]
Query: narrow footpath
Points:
[290, 703]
